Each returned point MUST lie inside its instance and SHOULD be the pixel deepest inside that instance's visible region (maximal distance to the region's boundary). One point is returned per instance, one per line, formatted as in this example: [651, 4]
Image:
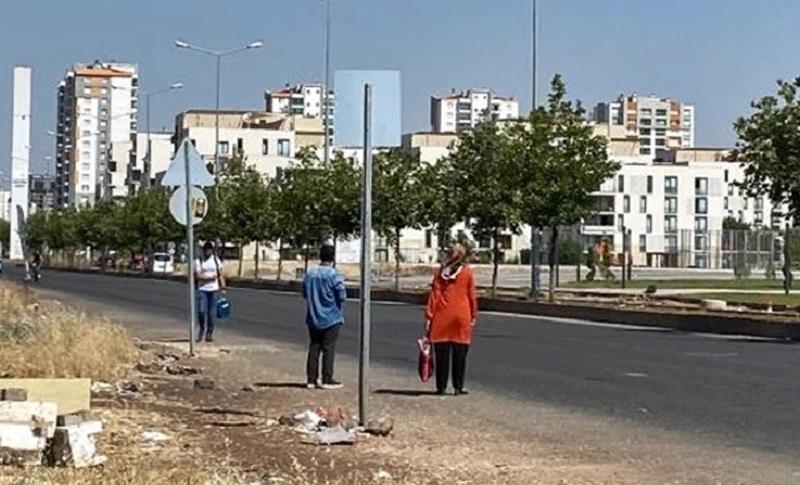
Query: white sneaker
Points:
[312, 385]
[332, 385]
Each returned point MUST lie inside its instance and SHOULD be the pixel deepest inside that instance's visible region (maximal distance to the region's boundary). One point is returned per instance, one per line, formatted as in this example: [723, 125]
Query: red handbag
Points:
[426, 360]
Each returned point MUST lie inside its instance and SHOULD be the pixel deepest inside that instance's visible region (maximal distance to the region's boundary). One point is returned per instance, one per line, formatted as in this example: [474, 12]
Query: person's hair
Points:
[208, 245]
[327, 254]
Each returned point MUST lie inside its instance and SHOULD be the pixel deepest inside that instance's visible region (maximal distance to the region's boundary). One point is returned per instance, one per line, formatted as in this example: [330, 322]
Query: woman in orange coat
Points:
[451, 312]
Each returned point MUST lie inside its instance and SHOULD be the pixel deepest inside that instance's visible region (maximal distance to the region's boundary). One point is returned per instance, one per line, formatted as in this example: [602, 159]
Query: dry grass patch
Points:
[50, 340]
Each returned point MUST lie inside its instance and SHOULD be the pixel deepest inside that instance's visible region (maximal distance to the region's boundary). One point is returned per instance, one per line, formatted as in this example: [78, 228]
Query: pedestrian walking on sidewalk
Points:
[325, 293]
[450, 318]
[210, 284]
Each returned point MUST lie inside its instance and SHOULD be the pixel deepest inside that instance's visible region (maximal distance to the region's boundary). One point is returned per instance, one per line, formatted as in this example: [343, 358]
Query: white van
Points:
[162, 263]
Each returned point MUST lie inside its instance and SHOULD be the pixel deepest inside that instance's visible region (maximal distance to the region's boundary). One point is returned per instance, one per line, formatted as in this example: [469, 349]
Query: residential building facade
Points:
[674, 210]
[459, 111]
[5, 205]
[303, 100]
[95, 132]
[42, 192]
[264, 140]
[162, 147]
[659, 124]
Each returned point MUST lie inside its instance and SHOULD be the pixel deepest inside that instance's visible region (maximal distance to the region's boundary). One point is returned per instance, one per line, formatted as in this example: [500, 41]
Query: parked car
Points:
[137, 263]
[163, 263]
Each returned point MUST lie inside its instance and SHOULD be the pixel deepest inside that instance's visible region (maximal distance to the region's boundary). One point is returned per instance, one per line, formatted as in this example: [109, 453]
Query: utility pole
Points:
[190, 248]
[327, 87]
[366, 263]
[624, 255]
[535, 263]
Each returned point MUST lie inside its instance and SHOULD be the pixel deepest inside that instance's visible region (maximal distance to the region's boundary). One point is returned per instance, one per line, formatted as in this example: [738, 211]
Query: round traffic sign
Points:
[198, 207]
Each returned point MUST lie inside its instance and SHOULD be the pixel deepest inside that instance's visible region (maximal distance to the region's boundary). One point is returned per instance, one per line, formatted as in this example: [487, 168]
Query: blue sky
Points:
[718, 54]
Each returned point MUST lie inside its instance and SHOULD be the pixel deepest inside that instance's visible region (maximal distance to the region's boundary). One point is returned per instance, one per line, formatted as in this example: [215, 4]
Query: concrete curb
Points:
[778, 327]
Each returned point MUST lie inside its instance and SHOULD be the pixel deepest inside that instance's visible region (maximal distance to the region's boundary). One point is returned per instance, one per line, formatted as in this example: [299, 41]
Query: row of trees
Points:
[539, 171]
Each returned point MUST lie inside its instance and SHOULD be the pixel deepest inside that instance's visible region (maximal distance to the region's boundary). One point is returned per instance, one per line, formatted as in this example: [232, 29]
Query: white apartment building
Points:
[659, 124]
[5, 205]
[305, 100]
[463, 110]
[163, 149]
[265, 140]
[674, 209]
[95, 133]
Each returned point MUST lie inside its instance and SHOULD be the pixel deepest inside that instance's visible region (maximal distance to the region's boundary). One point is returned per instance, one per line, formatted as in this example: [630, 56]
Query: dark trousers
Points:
[206, 311]
[443, 351]
[321, 341]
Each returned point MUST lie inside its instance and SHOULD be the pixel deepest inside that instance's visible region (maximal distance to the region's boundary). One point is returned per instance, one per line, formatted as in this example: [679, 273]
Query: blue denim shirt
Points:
[324, 292]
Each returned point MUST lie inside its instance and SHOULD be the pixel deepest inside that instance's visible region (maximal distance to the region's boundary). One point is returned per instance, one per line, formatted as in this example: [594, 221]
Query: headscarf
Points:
[452, 265]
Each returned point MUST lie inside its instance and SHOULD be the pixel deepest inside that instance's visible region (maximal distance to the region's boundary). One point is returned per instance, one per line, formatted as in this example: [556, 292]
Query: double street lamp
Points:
[217, 55]
[149, 154]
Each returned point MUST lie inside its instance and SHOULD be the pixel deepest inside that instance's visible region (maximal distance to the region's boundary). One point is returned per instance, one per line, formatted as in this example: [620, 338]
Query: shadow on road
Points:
[405, 392]
[281, 385]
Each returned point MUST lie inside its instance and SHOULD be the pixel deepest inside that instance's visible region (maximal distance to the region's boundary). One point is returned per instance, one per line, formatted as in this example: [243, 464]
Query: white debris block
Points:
[74, 445]
[715, 305]
[26, 425]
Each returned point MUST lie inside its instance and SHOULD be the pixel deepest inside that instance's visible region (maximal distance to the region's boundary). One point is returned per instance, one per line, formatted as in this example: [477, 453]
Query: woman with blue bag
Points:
[210, 285]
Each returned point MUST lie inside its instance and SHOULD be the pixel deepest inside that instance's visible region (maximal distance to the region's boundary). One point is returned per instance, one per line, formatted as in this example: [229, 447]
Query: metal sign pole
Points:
[190, 245]
[366, 261]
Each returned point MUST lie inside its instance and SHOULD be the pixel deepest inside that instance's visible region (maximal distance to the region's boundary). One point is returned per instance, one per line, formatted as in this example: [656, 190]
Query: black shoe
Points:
[440, 392]
[461, 392]
[332, 384]
[199, 338]
[209, 338]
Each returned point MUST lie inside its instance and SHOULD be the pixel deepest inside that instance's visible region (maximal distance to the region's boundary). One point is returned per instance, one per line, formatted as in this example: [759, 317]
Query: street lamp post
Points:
[326, 99]
[534, 258]
[218, 55]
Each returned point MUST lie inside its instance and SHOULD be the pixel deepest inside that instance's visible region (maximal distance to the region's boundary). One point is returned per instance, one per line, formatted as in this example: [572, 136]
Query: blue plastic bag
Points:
[223, 308]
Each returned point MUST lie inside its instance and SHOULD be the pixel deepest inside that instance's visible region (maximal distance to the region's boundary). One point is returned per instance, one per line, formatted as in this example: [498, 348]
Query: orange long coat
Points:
[452, 307]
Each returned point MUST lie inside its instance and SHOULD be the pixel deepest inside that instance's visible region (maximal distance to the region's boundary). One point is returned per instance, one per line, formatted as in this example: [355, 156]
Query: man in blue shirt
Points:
[325, 293]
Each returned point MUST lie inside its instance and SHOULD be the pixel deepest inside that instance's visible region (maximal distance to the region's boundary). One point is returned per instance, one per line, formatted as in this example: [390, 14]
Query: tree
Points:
[769, 146]
[5, 234]
[396, 198]
[484, 176]
[440, 204]
[341, 198]
[558, 164]
[299, 198]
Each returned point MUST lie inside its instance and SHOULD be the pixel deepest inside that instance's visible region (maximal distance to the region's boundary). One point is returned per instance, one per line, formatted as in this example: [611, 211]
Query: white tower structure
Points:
[20, 156]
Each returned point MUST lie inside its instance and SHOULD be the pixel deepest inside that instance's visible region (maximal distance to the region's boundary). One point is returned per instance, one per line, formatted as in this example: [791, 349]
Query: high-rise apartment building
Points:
[460, 111]
[41, 192]
[96, 132]
[306, 100]
[660, 124]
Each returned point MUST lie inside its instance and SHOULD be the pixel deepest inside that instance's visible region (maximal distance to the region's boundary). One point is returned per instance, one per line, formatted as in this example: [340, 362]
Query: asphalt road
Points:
[738, 391]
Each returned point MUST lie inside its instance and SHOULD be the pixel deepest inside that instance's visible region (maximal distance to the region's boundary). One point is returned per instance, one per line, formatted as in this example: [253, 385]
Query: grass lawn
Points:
[775, 298]
[688, 283]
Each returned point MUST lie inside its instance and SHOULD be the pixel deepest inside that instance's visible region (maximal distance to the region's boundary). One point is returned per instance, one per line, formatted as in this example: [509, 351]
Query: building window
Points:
[701, 224]
[746, 203]
[726, 176]
[649, 184]
[644, 131]
[758, 204]
[621, 183]
[645, 122]
[670, 205]
[649, 228]
[701, 205]
[224, 147]
[661, 142]
[701, 186]
[700, 243]
[646, 112]
[661, 122]
[265, 146]
[84, 188]
[642, 204]
[670, 224]
[644, 151]
[671, 244]
[661, 132]
[87, 91]
[626, 204]
[661, 112]
[642, 243]
[725, 203]
[671, 185]
[428, 238]
[620, 222]
[758, 218]
[283, 148]
[730, 190]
